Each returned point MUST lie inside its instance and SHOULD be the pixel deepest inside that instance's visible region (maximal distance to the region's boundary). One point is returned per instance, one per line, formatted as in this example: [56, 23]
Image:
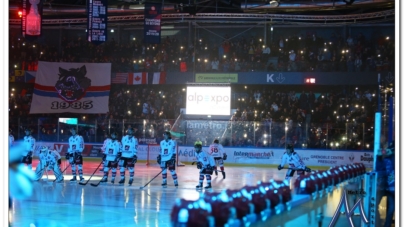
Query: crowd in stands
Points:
[296, 53]
[336, 119]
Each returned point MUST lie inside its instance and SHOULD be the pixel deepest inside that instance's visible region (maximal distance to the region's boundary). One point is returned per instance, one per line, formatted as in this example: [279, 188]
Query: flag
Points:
[147, 78]
[159, 78]
[11, 76]
[19, 76]
[30, 76]
[137, 78]
[62, 87]
[119, 78]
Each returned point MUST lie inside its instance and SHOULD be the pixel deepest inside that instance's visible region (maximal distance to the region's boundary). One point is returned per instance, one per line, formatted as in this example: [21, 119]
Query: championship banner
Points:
[97, 17]
[31, 18]
[62, 87]
[152, 23]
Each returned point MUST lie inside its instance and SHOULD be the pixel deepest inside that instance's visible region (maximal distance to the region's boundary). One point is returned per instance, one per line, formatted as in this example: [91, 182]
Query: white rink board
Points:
[273, 156]
[239, 155]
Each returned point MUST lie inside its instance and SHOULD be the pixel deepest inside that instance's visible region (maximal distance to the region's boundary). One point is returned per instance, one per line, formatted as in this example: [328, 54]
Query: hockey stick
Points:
[152, 179]
[193, 163]
[95, 185]
[64, 170]
[81, 183]
[46, 171]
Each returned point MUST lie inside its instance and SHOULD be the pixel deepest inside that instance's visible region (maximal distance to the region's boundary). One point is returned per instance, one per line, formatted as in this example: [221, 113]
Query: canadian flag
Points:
[147, 78]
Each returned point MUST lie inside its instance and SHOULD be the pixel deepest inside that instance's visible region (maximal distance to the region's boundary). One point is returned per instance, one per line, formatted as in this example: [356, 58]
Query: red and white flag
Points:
[137, 78]
[147, 78]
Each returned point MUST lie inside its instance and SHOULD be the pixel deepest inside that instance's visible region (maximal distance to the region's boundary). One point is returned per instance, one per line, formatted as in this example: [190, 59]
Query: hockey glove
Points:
[134, 159]
[59, 162]
[104, 157]
[307, 169]
[280, 167]
[173, 157]
[224, 157]
[199, 165]
[77, 155]
[67, 156]
[29, 154]
[159, 159]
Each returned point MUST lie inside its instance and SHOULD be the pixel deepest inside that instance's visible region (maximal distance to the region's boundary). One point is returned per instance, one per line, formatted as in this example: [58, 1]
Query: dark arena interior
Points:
[275, 88]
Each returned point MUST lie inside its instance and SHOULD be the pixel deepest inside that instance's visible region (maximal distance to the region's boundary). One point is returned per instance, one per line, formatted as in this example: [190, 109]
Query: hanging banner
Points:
[31, 19]
[97, 17]
[152, 23]
[62, 87]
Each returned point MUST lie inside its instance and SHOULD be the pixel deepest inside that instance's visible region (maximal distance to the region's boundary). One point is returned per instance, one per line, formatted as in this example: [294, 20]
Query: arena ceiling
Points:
[130, 12]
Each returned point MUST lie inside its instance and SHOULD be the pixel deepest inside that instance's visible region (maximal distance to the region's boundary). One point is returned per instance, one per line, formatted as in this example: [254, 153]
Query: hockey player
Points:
[103, 151]
[294, 161]
[49, 160]
[110, 157]
[217, 152]
[10, 138]
[206, 164]
[74, 154]
[29, 147]
[128, 156]
[166, 158]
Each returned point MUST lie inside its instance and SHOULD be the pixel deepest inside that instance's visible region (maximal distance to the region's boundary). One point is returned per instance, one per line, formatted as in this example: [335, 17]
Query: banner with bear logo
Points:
[62, 87]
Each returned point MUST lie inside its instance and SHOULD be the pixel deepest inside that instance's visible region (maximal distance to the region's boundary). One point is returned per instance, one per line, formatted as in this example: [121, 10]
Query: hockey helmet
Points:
[114, 133]
[198, 147]
[168, 133]
[43, 148]
[216, 141]
[27, 129]
[198, 142]
[290, 147]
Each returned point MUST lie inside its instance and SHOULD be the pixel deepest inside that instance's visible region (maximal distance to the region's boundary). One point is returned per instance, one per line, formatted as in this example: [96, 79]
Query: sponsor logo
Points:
[148, 140]
[366, 157]
[305, 158]
[253, 155]
[208, 98]
[186, 153]
[349, 212]
[351, 157]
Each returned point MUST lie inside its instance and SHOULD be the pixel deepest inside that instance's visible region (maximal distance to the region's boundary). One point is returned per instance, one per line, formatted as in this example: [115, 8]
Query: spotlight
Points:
[274, 3]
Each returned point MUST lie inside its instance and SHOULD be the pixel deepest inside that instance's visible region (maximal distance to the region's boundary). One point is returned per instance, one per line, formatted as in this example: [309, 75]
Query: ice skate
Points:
[104, 180]
[130, 181]
[175, 183]
[113, 180]
[216, 172]
[224, 175]
[74, 179]
[60, 180]
[81, 179]
[208, 186]
[122, 181]
[199, 187]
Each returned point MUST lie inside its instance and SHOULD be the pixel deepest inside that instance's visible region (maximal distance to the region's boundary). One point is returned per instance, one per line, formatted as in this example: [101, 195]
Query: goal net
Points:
[153, 150]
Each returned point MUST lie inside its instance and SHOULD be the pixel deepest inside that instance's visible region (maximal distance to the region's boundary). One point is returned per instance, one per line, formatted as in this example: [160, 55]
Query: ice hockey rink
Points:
[71, 204]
